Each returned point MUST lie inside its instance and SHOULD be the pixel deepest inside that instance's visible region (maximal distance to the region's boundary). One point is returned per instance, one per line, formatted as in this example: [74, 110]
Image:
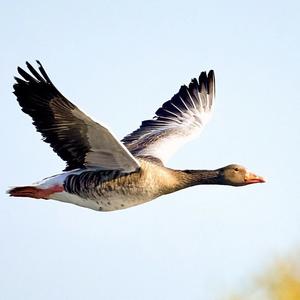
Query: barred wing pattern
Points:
[176, 122]
[74, 136]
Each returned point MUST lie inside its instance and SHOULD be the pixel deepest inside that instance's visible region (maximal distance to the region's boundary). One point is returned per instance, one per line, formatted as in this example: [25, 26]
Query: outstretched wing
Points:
[176, 122]
[74, 136]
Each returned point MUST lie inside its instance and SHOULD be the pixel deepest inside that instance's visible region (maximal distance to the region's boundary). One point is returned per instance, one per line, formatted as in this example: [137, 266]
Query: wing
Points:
[74, 136]
[176, 122]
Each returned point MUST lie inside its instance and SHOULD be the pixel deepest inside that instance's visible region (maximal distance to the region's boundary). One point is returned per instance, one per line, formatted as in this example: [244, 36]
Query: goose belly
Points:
[109, 202]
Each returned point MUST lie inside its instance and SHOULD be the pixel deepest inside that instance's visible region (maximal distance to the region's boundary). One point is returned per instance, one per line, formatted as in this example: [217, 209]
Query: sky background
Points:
[119, 61]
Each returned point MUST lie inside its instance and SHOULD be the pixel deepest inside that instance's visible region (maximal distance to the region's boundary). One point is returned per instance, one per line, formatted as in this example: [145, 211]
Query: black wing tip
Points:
[32, 75]
[204, 78]
[211, 73]
[207, 81]
[26, 75]
[211, 82]
[21, 71]
[28, 64]
[208, 76]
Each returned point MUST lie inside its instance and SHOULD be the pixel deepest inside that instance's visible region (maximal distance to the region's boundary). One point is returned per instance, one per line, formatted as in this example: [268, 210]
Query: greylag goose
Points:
[105, 174]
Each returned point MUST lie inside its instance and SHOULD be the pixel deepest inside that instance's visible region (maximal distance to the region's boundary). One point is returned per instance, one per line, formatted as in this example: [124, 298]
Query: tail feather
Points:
[33, 191]
[24, 191]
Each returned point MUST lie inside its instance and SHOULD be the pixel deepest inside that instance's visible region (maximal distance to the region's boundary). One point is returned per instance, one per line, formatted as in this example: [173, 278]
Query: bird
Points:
[105, 174]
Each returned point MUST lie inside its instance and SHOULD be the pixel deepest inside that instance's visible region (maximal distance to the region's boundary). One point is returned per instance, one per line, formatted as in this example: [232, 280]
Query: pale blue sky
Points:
[119, 61]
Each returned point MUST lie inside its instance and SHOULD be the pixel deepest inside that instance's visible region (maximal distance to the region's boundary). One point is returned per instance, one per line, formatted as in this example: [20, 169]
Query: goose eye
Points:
[236, 169]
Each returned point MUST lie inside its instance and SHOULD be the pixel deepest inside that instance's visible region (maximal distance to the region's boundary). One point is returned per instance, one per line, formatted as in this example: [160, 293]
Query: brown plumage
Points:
[105, 174]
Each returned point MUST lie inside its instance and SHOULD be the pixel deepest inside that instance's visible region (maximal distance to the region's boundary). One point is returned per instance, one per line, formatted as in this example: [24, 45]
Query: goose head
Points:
[237, 175]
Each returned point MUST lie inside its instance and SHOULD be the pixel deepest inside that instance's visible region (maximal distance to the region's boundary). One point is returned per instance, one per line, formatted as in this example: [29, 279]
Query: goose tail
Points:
[34, 191]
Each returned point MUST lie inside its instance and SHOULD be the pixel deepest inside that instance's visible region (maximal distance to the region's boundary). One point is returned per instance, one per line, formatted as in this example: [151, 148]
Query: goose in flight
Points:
[105, 174]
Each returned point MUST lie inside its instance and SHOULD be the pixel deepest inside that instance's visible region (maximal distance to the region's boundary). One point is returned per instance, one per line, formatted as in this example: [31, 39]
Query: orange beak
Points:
[252, 178]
